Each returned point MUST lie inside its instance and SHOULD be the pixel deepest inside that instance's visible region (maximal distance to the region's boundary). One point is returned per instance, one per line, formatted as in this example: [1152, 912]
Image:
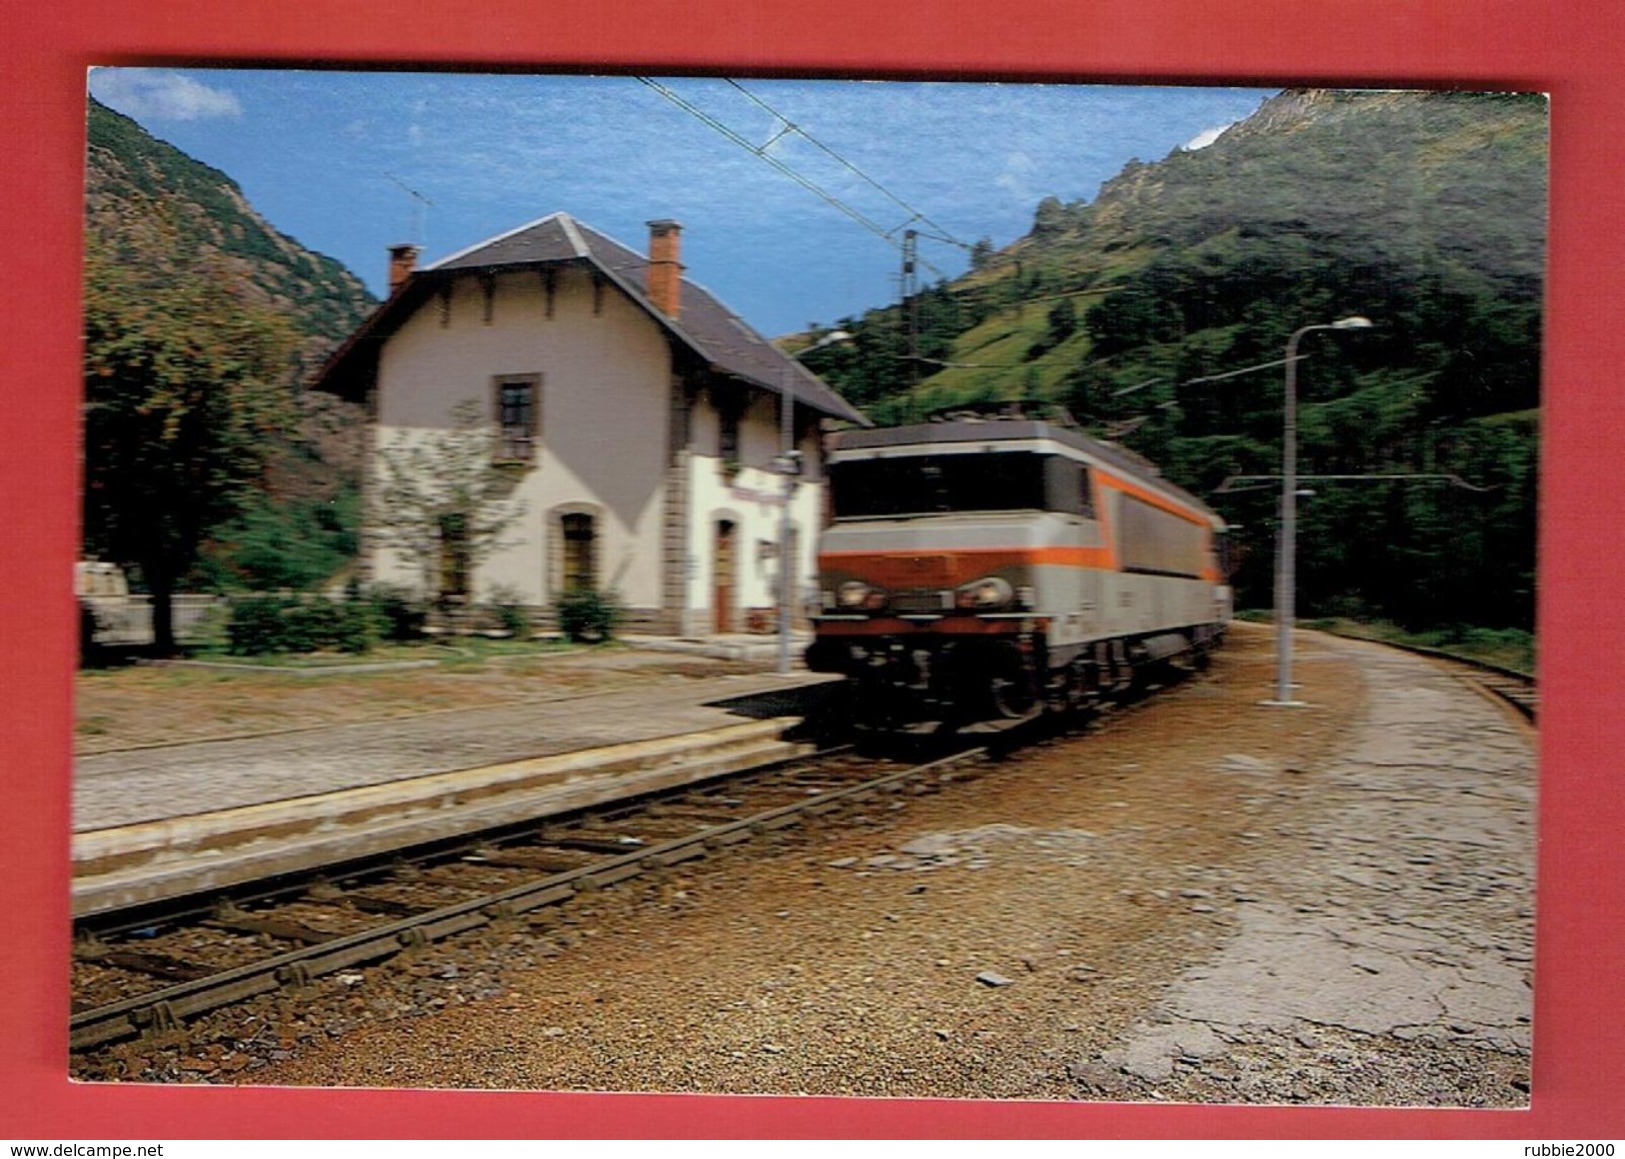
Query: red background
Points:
[1574, 52]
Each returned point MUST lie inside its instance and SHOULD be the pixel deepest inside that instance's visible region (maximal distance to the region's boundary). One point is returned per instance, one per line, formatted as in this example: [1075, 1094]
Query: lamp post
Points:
[1286, 561]
[789, 464]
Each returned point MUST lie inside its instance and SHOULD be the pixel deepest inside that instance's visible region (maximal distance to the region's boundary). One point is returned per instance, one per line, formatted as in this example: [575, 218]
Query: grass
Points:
[136, 705]
[1504, 647]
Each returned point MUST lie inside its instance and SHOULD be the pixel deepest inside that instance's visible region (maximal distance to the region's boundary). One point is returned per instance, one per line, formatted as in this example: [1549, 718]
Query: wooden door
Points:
[723, 570]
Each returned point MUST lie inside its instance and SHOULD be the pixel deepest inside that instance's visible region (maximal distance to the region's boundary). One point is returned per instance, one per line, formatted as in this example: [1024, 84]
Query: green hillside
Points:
[206, 463]
[131, 174]
[1423, 211]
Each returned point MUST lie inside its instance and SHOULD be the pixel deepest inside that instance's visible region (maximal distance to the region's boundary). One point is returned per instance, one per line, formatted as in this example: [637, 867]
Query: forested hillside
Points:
[205, 462]
[1424, 212]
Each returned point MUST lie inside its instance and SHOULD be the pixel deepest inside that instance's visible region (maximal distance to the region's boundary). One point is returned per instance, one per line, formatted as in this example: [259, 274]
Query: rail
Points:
[167, 1008]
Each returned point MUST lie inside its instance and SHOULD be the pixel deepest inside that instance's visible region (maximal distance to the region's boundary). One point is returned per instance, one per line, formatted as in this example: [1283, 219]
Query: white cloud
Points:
[1018, 167]
[155, 94]
[1206, 137]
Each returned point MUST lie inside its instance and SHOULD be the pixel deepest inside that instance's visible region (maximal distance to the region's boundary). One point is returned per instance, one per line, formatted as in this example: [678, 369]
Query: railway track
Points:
[1515, 688]
[151, 971]
[153, 968]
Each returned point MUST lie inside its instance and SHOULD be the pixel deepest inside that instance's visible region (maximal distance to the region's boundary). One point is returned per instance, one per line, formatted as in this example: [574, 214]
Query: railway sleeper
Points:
[538, 861]
[160, 966]
[610, 875]
[456, 923]
[781, 821]
[536, 899]
[682, 853]
[728, 837]
[159, 1018]
[693, 813]
[591, 844]
[236, 921]
[383, 906]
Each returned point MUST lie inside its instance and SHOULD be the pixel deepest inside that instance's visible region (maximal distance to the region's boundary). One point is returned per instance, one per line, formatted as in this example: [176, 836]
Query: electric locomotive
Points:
[987, 565]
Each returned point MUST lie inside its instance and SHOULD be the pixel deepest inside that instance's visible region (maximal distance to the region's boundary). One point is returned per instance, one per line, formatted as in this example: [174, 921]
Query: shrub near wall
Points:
[400, 616]
[588, 616]
[262, 625]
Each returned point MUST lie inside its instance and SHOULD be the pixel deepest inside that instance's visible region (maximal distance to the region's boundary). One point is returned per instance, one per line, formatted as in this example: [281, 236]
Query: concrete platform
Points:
[162, 822]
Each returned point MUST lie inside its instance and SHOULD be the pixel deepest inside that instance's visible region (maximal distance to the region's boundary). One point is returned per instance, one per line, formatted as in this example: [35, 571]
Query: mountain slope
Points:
[132, 175]
[178, 260]
[1422, 211]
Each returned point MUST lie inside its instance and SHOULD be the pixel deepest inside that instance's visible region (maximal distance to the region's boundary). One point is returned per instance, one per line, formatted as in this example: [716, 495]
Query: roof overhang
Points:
[352, 370]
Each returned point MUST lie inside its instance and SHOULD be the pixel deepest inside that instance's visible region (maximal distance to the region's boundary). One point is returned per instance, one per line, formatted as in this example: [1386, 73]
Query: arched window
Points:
[454, 554]
[575, 548]
[580, 557]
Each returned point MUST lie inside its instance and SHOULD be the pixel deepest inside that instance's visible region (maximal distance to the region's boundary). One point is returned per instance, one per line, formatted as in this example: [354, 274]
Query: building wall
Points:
[752, 499]
[601, 437]
[604, 446]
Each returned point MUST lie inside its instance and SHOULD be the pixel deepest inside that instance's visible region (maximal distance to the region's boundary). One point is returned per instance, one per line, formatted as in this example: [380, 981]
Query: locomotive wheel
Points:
[1012, 692]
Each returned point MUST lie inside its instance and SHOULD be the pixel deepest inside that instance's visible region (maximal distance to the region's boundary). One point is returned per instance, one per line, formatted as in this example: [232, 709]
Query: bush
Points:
[400, 618]
[588, 616]
[352, 627]
[255, 627]
[508, 610]
[262, 625]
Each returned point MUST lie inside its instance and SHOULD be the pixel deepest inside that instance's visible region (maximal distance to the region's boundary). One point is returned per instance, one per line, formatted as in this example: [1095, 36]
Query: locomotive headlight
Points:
[857, 594]
[984, 595]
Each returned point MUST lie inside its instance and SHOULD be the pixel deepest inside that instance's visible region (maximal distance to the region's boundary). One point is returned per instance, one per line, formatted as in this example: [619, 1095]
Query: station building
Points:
[635, 418]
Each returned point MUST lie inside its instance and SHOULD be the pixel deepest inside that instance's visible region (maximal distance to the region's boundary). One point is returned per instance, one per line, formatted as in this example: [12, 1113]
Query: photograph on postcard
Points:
[830, 587]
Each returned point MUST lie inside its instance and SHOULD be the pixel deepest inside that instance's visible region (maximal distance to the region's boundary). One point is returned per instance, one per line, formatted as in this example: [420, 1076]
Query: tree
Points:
[1049, 219]
[441, 500]
[184, 398]
[293, 543]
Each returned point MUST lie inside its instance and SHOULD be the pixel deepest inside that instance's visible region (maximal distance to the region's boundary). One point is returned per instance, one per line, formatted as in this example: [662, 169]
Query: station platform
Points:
[160, 822]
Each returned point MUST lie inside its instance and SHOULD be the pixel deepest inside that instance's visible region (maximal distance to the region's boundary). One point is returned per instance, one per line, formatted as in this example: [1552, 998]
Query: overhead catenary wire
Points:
[422, 203]
[1267, 482]
[789, 126]
[761, 151]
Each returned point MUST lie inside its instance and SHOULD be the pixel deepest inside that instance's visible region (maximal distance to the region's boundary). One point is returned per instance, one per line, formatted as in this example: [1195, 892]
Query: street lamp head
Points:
[1354, 323]
[833, 338]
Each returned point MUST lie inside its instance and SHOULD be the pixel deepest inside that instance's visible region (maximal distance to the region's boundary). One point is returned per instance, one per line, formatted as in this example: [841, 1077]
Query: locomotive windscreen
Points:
[988, 481]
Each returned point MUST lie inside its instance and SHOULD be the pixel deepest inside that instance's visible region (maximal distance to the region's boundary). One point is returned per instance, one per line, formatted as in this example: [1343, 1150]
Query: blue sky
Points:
[324, 157]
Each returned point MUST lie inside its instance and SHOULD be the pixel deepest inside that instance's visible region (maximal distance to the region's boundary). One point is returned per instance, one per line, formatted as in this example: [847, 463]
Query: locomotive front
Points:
[939, 574]
[981, 569]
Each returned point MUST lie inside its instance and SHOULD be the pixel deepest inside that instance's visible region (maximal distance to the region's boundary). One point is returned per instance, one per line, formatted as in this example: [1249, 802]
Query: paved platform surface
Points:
[152, 784]
[1404, 912]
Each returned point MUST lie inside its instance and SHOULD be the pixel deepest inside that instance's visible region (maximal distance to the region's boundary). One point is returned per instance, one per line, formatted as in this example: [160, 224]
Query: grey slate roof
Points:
[704, 325]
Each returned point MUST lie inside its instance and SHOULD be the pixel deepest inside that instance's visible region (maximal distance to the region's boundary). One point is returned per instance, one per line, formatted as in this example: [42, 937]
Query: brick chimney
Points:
[665, 277]
[402, 259]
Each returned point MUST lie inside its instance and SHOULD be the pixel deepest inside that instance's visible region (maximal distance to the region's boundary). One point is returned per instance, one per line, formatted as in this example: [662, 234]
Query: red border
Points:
[1571, 51]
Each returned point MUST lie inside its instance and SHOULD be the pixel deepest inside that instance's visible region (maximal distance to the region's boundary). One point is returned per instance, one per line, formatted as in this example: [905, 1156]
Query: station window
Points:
[518, 407]
[728, 432]
[454, 554]
[580, 570]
